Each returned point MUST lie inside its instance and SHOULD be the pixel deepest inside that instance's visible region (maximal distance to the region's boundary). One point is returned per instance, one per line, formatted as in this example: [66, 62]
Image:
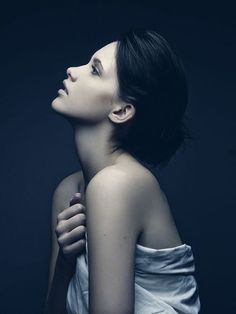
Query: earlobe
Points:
[122, 114]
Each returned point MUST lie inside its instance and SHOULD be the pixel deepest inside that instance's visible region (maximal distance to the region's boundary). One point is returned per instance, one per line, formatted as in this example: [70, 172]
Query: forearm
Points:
[56, 297]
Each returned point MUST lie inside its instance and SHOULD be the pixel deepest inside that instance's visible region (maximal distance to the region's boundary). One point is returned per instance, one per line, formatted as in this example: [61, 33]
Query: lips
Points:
[66, 89]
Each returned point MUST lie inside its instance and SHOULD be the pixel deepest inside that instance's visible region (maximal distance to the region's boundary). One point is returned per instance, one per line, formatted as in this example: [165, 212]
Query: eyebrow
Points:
[98, 61]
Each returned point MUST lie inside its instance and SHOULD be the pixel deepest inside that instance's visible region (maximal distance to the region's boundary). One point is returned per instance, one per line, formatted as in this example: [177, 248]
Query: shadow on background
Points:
[38, 42]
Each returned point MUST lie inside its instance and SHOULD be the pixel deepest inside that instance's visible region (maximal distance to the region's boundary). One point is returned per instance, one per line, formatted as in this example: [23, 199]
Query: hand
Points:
[71, 228]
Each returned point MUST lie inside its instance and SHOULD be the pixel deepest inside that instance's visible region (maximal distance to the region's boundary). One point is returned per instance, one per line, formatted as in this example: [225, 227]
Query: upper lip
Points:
[64, 83]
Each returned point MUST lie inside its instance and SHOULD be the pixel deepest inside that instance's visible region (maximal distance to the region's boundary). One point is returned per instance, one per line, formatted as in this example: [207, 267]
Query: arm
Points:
[113, 226]
[60, 271]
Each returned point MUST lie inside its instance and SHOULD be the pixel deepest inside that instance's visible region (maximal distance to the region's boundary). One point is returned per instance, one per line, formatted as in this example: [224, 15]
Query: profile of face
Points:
[90, 93]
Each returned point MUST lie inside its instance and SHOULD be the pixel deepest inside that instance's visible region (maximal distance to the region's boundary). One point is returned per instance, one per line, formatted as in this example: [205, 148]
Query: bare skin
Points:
[71, 228]
[92, 105]
[159, 229]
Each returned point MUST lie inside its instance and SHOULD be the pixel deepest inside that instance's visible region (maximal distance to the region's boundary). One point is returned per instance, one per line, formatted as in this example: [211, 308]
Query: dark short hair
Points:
[152, 78]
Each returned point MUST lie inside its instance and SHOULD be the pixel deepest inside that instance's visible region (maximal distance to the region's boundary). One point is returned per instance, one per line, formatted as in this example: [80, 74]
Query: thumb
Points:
[77, 197]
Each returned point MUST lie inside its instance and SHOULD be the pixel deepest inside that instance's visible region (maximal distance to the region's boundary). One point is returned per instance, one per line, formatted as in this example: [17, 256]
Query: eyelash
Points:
[94, 68]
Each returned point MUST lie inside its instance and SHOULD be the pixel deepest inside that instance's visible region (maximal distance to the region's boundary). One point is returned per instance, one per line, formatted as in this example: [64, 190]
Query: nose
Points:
[71, 73]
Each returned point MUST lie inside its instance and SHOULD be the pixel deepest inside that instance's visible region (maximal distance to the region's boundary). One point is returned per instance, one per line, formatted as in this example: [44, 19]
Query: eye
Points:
[94, 68]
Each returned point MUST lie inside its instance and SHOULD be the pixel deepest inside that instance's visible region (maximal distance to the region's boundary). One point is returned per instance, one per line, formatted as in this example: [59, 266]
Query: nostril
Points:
[69, 73]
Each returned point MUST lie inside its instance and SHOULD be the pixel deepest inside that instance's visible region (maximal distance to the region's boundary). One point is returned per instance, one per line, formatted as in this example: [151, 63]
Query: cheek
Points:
[96, 96]
[92, 102]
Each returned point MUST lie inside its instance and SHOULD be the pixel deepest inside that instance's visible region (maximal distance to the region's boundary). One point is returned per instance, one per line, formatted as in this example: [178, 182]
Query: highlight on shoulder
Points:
[137, 182]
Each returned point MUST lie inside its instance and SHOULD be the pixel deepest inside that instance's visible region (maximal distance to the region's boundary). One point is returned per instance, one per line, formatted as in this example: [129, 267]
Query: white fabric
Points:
[164, 282]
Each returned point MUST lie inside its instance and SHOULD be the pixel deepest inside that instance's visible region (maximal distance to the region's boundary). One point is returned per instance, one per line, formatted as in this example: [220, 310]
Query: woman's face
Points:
[91, 88]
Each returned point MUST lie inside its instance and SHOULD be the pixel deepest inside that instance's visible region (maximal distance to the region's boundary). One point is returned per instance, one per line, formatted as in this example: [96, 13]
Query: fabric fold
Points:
[164, 282]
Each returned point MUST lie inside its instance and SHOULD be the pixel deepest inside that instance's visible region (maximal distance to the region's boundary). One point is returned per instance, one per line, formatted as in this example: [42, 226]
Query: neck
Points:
[93, 149]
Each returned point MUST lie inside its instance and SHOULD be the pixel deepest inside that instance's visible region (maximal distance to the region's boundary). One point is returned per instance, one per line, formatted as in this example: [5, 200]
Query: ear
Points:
[122, 113]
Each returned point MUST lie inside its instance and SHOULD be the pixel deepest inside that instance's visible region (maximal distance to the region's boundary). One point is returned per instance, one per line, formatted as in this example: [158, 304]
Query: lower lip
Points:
[61, 91]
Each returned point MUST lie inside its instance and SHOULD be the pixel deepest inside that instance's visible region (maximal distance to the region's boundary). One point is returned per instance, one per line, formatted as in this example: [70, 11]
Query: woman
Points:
[126, 108]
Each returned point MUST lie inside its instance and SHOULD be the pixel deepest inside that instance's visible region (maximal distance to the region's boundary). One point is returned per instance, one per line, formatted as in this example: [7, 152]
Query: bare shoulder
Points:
[132, 177]
[109, 181]
[135, 183]
[111, 174]
[141, 198]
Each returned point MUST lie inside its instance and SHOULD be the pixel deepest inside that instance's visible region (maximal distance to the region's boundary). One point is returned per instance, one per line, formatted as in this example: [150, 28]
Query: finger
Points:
[70, 237]
[70, 212]
[75, 221]
[76, 198]
[66, 225]
[75, 248]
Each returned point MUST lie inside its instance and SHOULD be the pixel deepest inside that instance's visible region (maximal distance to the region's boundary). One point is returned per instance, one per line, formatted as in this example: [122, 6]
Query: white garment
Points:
[164, 282]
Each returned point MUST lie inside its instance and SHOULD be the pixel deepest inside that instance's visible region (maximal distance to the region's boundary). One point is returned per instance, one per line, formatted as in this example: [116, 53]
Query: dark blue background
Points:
[38, 42]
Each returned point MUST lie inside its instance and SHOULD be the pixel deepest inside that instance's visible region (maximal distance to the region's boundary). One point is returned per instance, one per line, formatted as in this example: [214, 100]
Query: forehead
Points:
[107, 56]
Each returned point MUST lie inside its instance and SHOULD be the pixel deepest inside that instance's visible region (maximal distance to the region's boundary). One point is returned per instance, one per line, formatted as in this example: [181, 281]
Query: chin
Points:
[57, 104]
[59, 107]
